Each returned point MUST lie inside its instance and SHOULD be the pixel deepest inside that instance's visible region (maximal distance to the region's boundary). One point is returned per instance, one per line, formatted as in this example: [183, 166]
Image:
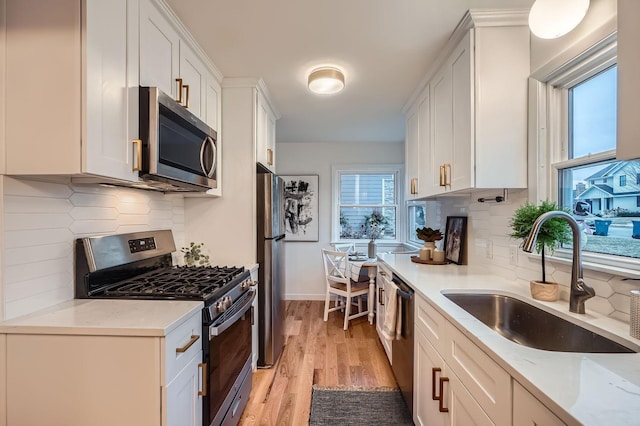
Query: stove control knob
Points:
[245, 285]
[220, 307]
[226, 302]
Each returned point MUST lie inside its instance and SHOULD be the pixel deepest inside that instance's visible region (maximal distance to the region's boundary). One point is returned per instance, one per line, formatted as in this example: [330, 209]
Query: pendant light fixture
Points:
[552, 18]
[326, 80]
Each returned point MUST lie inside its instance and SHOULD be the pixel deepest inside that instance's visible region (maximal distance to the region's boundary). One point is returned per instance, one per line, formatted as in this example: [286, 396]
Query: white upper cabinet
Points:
[71, 94]
[159, 50]
[250, 121]
[213, 102]
[628, 83]
[172, 62]
[478, 107]
[417, 147]
[265, 128]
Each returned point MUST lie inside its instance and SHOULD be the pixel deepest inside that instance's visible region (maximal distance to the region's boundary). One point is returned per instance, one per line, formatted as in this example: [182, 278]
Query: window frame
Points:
[338, 170]
[550, 123]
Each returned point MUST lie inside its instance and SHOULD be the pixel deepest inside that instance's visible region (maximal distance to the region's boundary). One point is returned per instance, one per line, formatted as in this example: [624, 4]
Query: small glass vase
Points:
[372, 249]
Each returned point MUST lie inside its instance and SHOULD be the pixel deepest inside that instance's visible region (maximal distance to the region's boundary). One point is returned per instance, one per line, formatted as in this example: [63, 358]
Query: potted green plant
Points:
[552, 233]
[194, 256]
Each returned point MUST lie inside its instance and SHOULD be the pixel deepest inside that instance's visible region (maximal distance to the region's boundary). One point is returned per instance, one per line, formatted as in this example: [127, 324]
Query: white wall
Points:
[305, 276]
[41, 221]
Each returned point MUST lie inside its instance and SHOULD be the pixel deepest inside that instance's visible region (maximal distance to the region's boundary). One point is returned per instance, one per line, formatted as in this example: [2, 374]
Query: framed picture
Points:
[301, 207]
[454, 238]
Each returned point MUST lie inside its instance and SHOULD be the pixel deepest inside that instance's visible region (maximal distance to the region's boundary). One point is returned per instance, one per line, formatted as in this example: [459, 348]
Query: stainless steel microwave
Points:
[178, 149]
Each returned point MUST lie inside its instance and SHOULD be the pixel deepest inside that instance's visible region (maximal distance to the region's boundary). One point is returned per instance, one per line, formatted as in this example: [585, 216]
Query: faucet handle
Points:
[585, 289]
[581, 294]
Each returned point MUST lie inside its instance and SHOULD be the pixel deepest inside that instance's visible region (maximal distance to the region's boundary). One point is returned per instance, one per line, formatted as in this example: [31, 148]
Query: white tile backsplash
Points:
[490, 222]
[43, 219]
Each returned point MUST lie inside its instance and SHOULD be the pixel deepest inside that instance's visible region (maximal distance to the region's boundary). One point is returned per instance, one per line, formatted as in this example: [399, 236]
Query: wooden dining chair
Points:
[337, 271]
[346, 247]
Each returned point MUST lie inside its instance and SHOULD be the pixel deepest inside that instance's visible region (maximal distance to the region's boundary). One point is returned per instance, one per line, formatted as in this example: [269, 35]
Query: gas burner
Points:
[179, 282]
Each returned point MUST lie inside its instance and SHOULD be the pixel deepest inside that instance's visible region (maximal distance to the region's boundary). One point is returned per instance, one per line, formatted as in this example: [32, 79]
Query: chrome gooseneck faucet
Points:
[580, 291]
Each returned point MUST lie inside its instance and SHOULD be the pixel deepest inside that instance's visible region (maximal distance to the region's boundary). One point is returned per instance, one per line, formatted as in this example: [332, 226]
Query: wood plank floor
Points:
[320, 353]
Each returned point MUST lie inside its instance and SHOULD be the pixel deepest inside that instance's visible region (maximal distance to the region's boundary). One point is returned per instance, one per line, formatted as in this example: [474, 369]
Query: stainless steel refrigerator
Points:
[270, 241]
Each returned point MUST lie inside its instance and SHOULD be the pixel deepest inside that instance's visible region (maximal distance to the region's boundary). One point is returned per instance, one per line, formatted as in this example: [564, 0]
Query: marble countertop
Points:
[108, 317]
[590, 389]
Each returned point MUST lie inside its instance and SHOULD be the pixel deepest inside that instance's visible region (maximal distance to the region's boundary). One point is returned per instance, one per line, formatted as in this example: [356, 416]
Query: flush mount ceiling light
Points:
[326, 81]
[552, 18]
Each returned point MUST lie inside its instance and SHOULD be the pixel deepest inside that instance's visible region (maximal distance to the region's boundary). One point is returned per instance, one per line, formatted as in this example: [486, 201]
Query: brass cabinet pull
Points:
[441, 406]
[380, 298]
[138, 163]
[442, 176]
[203, 366]
[414, 186]
[188, 345]
[447, 176]
[434, 370]
[179, 81]
[269, 157]
[186, 89]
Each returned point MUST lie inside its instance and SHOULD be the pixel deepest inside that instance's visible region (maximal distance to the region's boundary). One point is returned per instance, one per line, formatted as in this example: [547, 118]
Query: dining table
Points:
[357, 263]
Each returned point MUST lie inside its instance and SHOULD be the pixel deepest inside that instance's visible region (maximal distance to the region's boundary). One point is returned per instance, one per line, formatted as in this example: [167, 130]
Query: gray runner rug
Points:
[336, 406]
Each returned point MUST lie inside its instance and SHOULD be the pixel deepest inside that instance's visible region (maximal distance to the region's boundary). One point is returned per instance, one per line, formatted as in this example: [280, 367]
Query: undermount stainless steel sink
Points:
[531, 326]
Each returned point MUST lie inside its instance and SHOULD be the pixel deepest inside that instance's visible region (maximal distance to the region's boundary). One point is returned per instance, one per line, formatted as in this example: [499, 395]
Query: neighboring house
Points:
[615, 186]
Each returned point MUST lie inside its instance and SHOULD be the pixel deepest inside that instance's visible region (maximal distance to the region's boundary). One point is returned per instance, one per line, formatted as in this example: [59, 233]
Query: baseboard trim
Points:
[298, 296]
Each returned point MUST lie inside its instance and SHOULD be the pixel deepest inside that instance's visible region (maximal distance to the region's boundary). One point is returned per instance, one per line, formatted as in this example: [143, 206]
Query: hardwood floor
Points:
[315, 353]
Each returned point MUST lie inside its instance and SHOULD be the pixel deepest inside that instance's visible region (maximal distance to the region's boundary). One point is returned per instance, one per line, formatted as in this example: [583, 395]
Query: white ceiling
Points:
[384, 46]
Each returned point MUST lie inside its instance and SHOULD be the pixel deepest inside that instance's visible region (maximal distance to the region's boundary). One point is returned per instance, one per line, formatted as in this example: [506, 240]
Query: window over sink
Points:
[584, 176]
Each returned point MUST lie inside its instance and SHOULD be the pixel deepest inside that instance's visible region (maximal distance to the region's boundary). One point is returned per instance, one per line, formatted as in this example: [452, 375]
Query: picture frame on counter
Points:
[454, 238]
[301, 207]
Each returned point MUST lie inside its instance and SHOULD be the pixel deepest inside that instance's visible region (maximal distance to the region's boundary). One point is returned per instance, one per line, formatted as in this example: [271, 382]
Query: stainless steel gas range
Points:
[139, 266]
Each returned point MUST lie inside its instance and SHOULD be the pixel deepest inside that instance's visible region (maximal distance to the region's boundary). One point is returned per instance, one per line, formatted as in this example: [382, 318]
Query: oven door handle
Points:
[217, 329]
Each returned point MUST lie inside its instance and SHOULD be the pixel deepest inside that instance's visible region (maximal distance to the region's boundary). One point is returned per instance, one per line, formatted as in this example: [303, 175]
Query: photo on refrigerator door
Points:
[301, 207]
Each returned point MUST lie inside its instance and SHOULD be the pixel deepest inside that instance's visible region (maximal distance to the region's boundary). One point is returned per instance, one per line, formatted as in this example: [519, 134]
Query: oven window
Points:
[228, 353]
[180, 142]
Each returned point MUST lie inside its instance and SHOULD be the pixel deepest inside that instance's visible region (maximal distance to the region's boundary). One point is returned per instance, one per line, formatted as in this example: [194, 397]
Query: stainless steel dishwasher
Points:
[402, 349]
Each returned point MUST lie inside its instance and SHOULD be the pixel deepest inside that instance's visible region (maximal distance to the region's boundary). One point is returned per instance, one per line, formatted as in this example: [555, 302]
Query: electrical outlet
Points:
[513, 255]
[488, 249]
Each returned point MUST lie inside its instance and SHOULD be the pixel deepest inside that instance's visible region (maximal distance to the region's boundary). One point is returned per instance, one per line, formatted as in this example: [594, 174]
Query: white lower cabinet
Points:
[440, 397]
[382, 294]
[528, 411]
[105, 380]
[457, 383]
[185, 403]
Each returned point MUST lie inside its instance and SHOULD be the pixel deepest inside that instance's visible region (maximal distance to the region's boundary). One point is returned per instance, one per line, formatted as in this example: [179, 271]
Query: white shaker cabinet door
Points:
[460, 173]
[111, 89]
[159, 50]
[528, 411]
[428, 369]
[194, 76]
[411, 144]
[184, 405]
[213, 100]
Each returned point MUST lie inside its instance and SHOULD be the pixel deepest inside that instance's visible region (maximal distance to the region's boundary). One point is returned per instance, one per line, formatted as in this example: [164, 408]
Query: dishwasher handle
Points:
[405, 294]
[403, 290]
